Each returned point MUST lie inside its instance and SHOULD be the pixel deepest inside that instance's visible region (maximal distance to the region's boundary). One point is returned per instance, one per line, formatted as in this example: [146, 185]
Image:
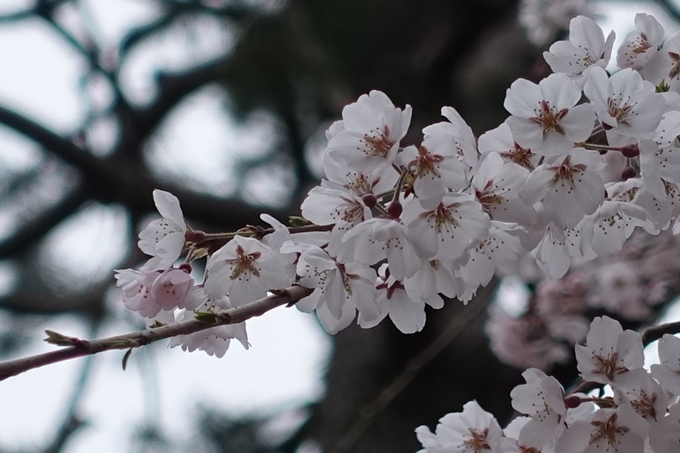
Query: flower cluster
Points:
[642, 415]
[393, 228]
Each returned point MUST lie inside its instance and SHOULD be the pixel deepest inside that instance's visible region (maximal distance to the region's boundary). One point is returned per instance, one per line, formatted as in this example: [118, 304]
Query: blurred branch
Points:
[347, 442]
[33, 230]
[75, 347]
[671, 8]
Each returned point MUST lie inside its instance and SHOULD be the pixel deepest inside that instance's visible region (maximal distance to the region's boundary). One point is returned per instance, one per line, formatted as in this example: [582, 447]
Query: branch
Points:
[79, 348]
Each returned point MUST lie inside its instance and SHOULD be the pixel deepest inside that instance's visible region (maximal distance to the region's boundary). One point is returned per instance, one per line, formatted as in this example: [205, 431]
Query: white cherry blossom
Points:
[545, 117]
[569, 187]
[609, 351]
[244, 269]
[618, 430]
[586, 49]
[496, 186]
[471, 431]
[216, 340]
[668, 371]
[542, 398]
[445, 229]
[638, 46]
[624, 103]
[370, 132]
[456, 135]
[501, 141]
[164, 238]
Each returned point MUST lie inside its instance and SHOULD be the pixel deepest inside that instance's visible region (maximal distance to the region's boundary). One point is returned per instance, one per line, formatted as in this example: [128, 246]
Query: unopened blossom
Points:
[370, 132]
[471, 431]
[456, 135]
[668, 371]
[638, 46]
[214, 341]
[445, 229]
[244, 269]
[586, 49]
[609, 351]
[501, 141]
[150, 291]
[624, 103]
[618, 430]
[541, 398]
[545, 117]
[569, 187]
[164, 238]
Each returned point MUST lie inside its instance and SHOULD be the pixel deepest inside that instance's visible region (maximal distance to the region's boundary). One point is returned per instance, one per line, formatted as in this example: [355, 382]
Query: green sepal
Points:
[207, 317]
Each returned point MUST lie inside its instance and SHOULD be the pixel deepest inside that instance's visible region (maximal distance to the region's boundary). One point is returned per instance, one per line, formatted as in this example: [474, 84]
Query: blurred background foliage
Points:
[282, 71]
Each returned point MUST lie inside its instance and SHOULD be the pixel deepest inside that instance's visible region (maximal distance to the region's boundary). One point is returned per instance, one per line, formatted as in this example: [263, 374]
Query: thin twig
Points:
[80, 348]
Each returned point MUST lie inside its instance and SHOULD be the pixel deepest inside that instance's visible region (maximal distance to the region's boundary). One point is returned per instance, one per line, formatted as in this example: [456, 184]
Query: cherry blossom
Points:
[164, 238]
[620, 430]
[216, 340]
[624, 103]
[585, 50]
[668, 371]
[639, 45]
[501, 141]
[244, 269]
[369, 134]
[471, 431]
[454, 134]
[542, 398]
[150, 291]
[569, 187]
[545, 117]
[444, 229]
[609, 351]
